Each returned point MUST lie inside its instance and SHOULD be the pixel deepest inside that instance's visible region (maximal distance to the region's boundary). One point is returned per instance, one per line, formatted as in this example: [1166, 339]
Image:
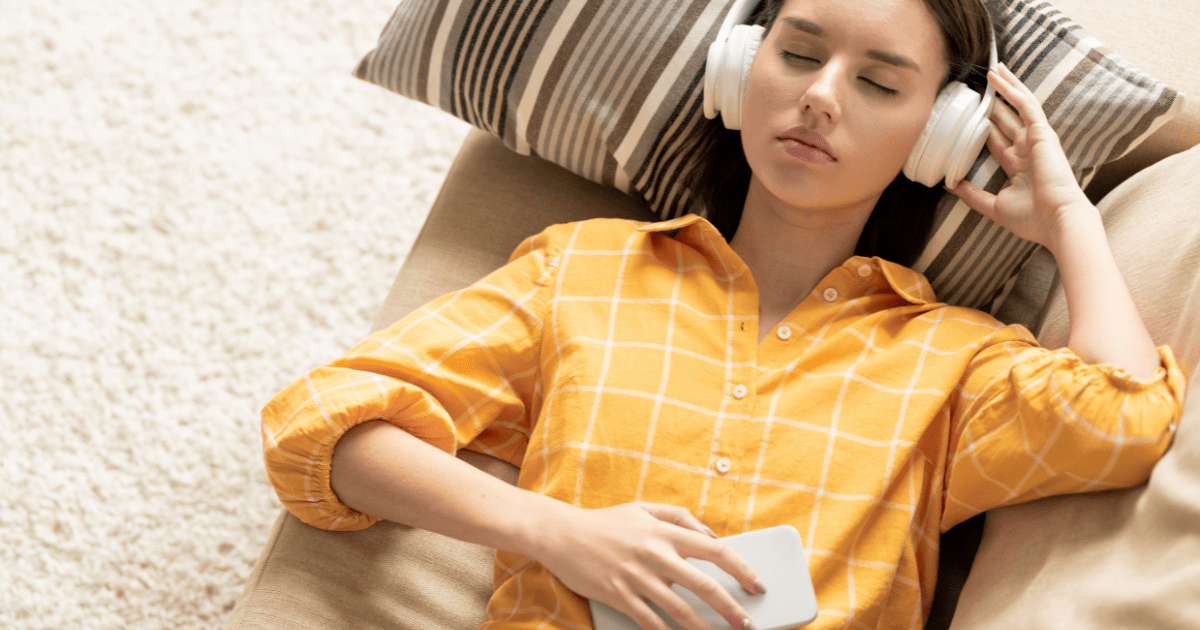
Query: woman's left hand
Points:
[1043, 187]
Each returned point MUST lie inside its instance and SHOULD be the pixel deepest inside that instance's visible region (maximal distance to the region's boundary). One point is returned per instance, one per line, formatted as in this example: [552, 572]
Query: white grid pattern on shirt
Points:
[838, 433]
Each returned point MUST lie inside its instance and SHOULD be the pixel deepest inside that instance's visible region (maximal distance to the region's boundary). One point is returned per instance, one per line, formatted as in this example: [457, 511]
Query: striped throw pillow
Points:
[612, 90]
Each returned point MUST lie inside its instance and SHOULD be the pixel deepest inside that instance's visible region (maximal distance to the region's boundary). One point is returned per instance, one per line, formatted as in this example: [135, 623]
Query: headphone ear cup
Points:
[744, 41]
[930, 160]
[727, 73]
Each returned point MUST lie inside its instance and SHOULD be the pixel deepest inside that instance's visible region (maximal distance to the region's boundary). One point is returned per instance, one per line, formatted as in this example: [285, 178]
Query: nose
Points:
[821, 99]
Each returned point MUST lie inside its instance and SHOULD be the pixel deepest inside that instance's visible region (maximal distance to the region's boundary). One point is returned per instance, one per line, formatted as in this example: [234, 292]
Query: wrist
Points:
[539, 526]
[1072, 223]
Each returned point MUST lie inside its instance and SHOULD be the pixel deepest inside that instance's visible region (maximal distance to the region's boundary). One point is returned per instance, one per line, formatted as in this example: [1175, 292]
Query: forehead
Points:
[905, 27]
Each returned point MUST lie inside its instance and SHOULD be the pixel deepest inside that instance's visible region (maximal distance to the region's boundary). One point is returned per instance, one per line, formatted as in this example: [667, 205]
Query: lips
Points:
[808, 145]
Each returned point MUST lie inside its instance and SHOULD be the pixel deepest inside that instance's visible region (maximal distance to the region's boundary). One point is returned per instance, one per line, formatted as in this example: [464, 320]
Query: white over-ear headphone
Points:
[947, 148]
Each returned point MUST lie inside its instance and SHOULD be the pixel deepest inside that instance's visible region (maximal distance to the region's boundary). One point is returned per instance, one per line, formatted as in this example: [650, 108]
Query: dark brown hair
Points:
[902, 219]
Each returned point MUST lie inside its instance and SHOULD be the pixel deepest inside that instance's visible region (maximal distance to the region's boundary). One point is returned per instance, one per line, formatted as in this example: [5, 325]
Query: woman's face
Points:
[838, 94]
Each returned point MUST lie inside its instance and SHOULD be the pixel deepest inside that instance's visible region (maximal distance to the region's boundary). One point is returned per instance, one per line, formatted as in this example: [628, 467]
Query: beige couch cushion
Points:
[1129, 558]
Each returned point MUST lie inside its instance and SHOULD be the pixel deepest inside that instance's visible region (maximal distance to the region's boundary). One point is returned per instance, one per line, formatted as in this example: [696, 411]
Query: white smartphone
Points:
[776, 554]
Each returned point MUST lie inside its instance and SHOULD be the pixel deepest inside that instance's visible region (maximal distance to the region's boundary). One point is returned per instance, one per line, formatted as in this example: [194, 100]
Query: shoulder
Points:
[986, 327]
[972, 325]
[969, 333]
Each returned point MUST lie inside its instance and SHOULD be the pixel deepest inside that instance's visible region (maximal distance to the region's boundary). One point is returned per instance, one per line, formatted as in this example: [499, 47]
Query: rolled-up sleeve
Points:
[459, 372]
[1030, 422]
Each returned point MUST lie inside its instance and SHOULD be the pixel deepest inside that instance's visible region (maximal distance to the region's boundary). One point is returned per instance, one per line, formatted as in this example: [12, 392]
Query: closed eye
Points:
[886, 91]
[790, 56]
[794, 58]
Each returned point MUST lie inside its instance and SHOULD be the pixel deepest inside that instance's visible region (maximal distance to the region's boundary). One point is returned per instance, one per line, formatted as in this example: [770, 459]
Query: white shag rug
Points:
[198, 203]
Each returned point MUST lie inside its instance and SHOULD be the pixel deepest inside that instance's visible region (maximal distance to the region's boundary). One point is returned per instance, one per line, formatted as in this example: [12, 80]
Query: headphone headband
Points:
[737, 14]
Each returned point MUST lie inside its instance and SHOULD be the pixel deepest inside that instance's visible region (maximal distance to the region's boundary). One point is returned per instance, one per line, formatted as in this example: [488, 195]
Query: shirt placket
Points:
[728, 463]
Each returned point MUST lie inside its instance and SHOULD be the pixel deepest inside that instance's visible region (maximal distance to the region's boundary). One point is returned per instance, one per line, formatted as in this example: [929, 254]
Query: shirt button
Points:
[723, 465]
[740, 392]
[864, 270]
[784, 333]
[830, 294]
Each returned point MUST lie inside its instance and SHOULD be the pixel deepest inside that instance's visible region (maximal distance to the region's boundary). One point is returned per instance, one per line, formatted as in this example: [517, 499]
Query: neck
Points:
[789, 250]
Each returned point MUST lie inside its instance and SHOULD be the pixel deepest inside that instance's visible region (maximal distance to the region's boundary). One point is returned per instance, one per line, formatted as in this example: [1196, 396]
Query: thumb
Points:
[676, 515]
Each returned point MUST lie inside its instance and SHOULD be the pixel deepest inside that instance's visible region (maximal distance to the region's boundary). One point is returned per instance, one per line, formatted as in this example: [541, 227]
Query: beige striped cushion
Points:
[612, 90]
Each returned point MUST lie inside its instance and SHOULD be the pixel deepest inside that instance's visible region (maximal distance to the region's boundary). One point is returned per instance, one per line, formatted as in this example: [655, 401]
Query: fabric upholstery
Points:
[612, 90]
[1128, 558]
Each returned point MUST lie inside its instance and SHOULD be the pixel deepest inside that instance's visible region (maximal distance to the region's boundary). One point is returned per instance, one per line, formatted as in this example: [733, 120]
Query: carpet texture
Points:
[198, 203]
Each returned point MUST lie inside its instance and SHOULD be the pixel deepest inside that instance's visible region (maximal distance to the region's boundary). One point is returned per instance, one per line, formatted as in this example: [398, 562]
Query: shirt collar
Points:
[908, 284]
[672, 225]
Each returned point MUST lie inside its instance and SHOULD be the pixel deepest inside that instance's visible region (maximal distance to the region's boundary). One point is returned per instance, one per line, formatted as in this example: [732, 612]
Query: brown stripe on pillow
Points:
[665, 172]
[435, 75]
[424, 33]
[675, 40]
[1013, 252]
[667, 147]
[577, 122]
[614, 58]
[396, 63]
[511, 43]
[556, 55]
[959, 259]
[1122, 132]
[469, 98]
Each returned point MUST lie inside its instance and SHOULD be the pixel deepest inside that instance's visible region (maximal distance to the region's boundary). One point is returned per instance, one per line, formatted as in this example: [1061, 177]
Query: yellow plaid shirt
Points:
[615, 361]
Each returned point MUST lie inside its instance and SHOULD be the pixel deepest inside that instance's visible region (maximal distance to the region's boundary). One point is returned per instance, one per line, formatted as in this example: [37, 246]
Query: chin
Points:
[801, 187]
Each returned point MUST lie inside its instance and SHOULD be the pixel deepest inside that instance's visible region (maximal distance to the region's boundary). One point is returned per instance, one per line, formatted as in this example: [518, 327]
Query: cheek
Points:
[756, 130]
[893, 140]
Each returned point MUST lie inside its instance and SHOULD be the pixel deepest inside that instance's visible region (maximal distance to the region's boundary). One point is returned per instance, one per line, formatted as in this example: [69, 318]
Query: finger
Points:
[676, 608]
[642, 614]
[1001, 149]
[727, 560]
[1017, 94]
[709, 591]
[976, 198]
[1007, 121]
[676, 515]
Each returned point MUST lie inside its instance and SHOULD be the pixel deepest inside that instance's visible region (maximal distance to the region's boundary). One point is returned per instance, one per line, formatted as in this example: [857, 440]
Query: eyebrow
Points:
[812, 28]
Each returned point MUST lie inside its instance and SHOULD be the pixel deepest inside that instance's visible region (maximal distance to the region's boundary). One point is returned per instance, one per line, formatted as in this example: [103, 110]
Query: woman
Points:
[657, 382]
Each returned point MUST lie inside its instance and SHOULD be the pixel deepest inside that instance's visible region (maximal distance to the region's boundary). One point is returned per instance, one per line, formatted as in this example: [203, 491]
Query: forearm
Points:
[1105, 324]
[381, 470]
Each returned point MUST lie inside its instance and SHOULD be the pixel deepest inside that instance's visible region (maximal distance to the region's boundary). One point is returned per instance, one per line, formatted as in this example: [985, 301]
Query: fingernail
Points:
[760, 588]
[709, 530]
[748, 624]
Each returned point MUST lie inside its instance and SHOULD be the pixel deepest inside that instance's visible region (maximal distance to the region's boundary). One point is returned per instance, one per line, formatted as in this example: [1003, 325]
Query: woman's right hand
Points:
[631, 554]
